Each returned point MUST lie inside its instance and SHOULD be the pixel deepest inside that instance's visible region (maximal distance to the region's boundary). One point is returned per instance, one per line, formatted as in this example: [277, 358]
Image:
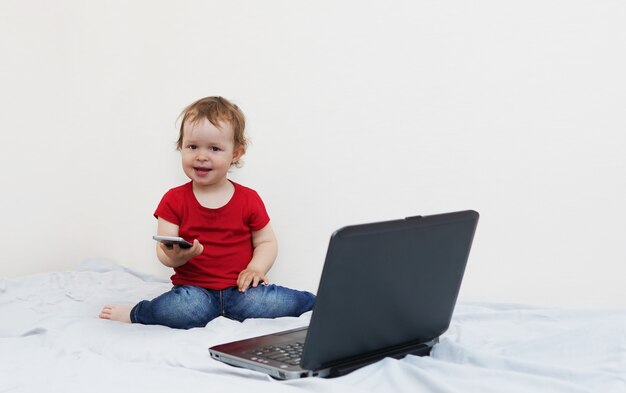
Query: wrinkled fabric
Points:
[51, 339]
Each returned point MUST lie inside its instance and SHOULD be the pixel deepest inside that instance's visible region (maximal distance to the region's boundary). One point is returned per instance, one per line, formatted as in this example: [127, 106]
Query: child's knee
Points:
[271, 301]
[181, 308]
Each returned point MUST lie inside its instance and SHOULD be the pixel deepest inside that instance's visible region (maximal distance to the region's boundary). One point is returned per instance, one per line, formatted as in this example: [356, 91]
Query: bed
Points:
[51, 339]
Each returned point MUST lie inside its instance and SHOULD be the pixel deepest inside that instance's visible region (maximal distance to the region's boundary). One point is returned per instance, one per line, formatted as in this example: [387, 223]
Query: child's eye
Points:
[215, 148]
[192, 147]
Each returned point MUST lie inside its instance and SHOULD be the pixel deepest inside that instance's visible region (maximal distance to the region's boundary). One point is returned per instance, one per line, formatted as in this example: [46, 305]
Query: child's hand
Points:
[250, 276]
[180, 256]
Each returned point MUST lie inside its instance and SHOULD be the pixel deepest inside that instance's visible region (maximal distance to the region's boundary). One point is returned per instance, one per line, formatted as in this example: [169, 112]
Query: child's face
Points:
[208, 152]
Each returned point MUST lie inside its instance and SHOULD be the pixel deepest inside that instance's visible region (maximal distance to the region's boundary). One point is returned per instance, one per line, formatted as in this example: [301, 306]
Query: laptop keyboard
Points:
[288, 354]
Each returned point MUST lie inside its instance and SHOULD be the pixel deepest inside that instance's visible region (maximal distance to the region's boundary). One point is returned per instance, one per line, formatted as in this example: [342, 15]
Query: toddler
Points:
[234, 246]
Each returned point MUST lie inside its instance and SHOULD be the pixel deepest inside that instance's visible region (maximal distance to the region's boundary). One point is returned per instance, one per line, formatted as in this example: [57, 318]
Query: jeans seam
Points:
[225, 312]
[222, 311]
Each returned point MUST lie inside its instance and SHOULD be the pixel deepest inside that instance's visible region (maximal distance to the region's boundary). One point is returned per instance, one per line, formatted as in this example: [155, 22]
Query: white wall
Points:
[358, 111]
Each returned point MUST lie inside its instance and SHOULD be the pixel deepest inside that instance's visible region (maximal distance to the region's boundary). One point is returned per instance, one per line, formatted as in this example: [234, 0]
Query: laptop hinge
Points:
[347, 367]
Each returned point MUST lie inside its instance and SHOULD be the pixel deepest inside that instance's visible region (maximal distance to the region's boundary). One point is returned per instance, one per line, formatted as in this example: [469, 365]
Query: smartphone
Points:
[169, 241]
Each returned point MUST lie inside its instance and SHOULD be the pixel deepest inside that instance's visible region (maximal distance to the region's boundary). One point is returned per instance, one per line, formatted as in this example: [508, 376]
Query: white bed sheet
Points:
[51, 339]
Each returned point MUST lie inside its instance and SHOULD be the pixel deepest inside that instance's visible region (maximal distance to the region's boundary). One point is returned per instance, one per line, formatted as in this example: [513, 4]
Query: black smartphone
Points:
[169, 241]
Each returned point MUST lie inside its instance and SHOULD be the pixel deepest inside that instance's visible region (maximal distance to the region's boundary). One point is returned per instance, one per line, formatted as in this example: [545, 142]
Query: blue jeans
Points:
[186, 306]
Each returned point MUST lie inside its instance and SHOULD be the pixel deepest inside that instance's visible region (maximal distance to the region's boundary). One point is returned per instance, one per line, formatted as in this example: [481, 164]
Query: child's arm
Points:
[175, 256]
[265, 250]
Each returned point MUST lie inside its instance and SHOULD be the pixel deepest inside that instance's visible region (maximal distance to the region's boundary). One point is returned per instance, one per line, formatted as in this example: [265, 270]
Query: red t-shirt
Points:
[225, 233]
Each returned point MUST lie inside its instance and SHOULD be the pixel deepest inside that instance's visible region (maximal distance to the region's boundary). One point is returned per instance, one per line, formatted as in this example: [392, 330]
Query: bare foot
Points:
[116, 312]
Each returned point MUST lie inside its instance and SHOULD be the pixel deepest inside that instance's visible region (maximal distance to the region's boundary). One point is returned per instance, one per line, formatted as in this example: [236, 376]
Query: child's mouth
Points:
[202, 171]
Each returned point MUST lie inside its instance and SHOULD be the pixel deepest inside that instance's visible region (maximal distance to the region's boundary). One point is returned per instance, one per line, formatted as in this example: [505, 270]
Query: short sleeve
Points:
[257, 214]
[169, 208]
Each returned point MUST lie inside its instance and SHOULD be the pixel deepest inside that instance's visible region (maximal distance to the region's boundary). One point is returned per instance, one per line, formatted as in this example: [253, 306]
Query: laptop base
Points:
[331, 371]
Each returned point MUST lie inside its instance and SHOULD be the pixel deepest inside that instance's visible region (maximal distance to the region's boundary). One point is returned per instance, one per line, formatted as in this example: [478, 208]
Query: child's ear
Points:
[237, 154]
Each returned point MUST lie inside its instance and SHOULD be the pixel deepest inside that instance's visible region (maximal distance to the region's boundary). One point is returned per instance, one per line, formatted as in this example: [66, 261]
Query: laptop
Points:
[387, 289]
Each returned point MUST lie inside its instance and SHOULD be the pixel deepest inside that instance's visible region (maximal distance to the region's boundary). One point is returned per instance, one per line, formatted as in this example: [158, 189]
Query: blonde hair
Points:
[216, 110]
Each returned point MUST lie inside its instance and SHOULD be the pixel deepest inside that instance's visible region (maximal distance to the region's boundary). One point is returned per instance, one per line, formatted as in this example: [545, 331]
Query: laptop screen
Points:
[388, 284]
